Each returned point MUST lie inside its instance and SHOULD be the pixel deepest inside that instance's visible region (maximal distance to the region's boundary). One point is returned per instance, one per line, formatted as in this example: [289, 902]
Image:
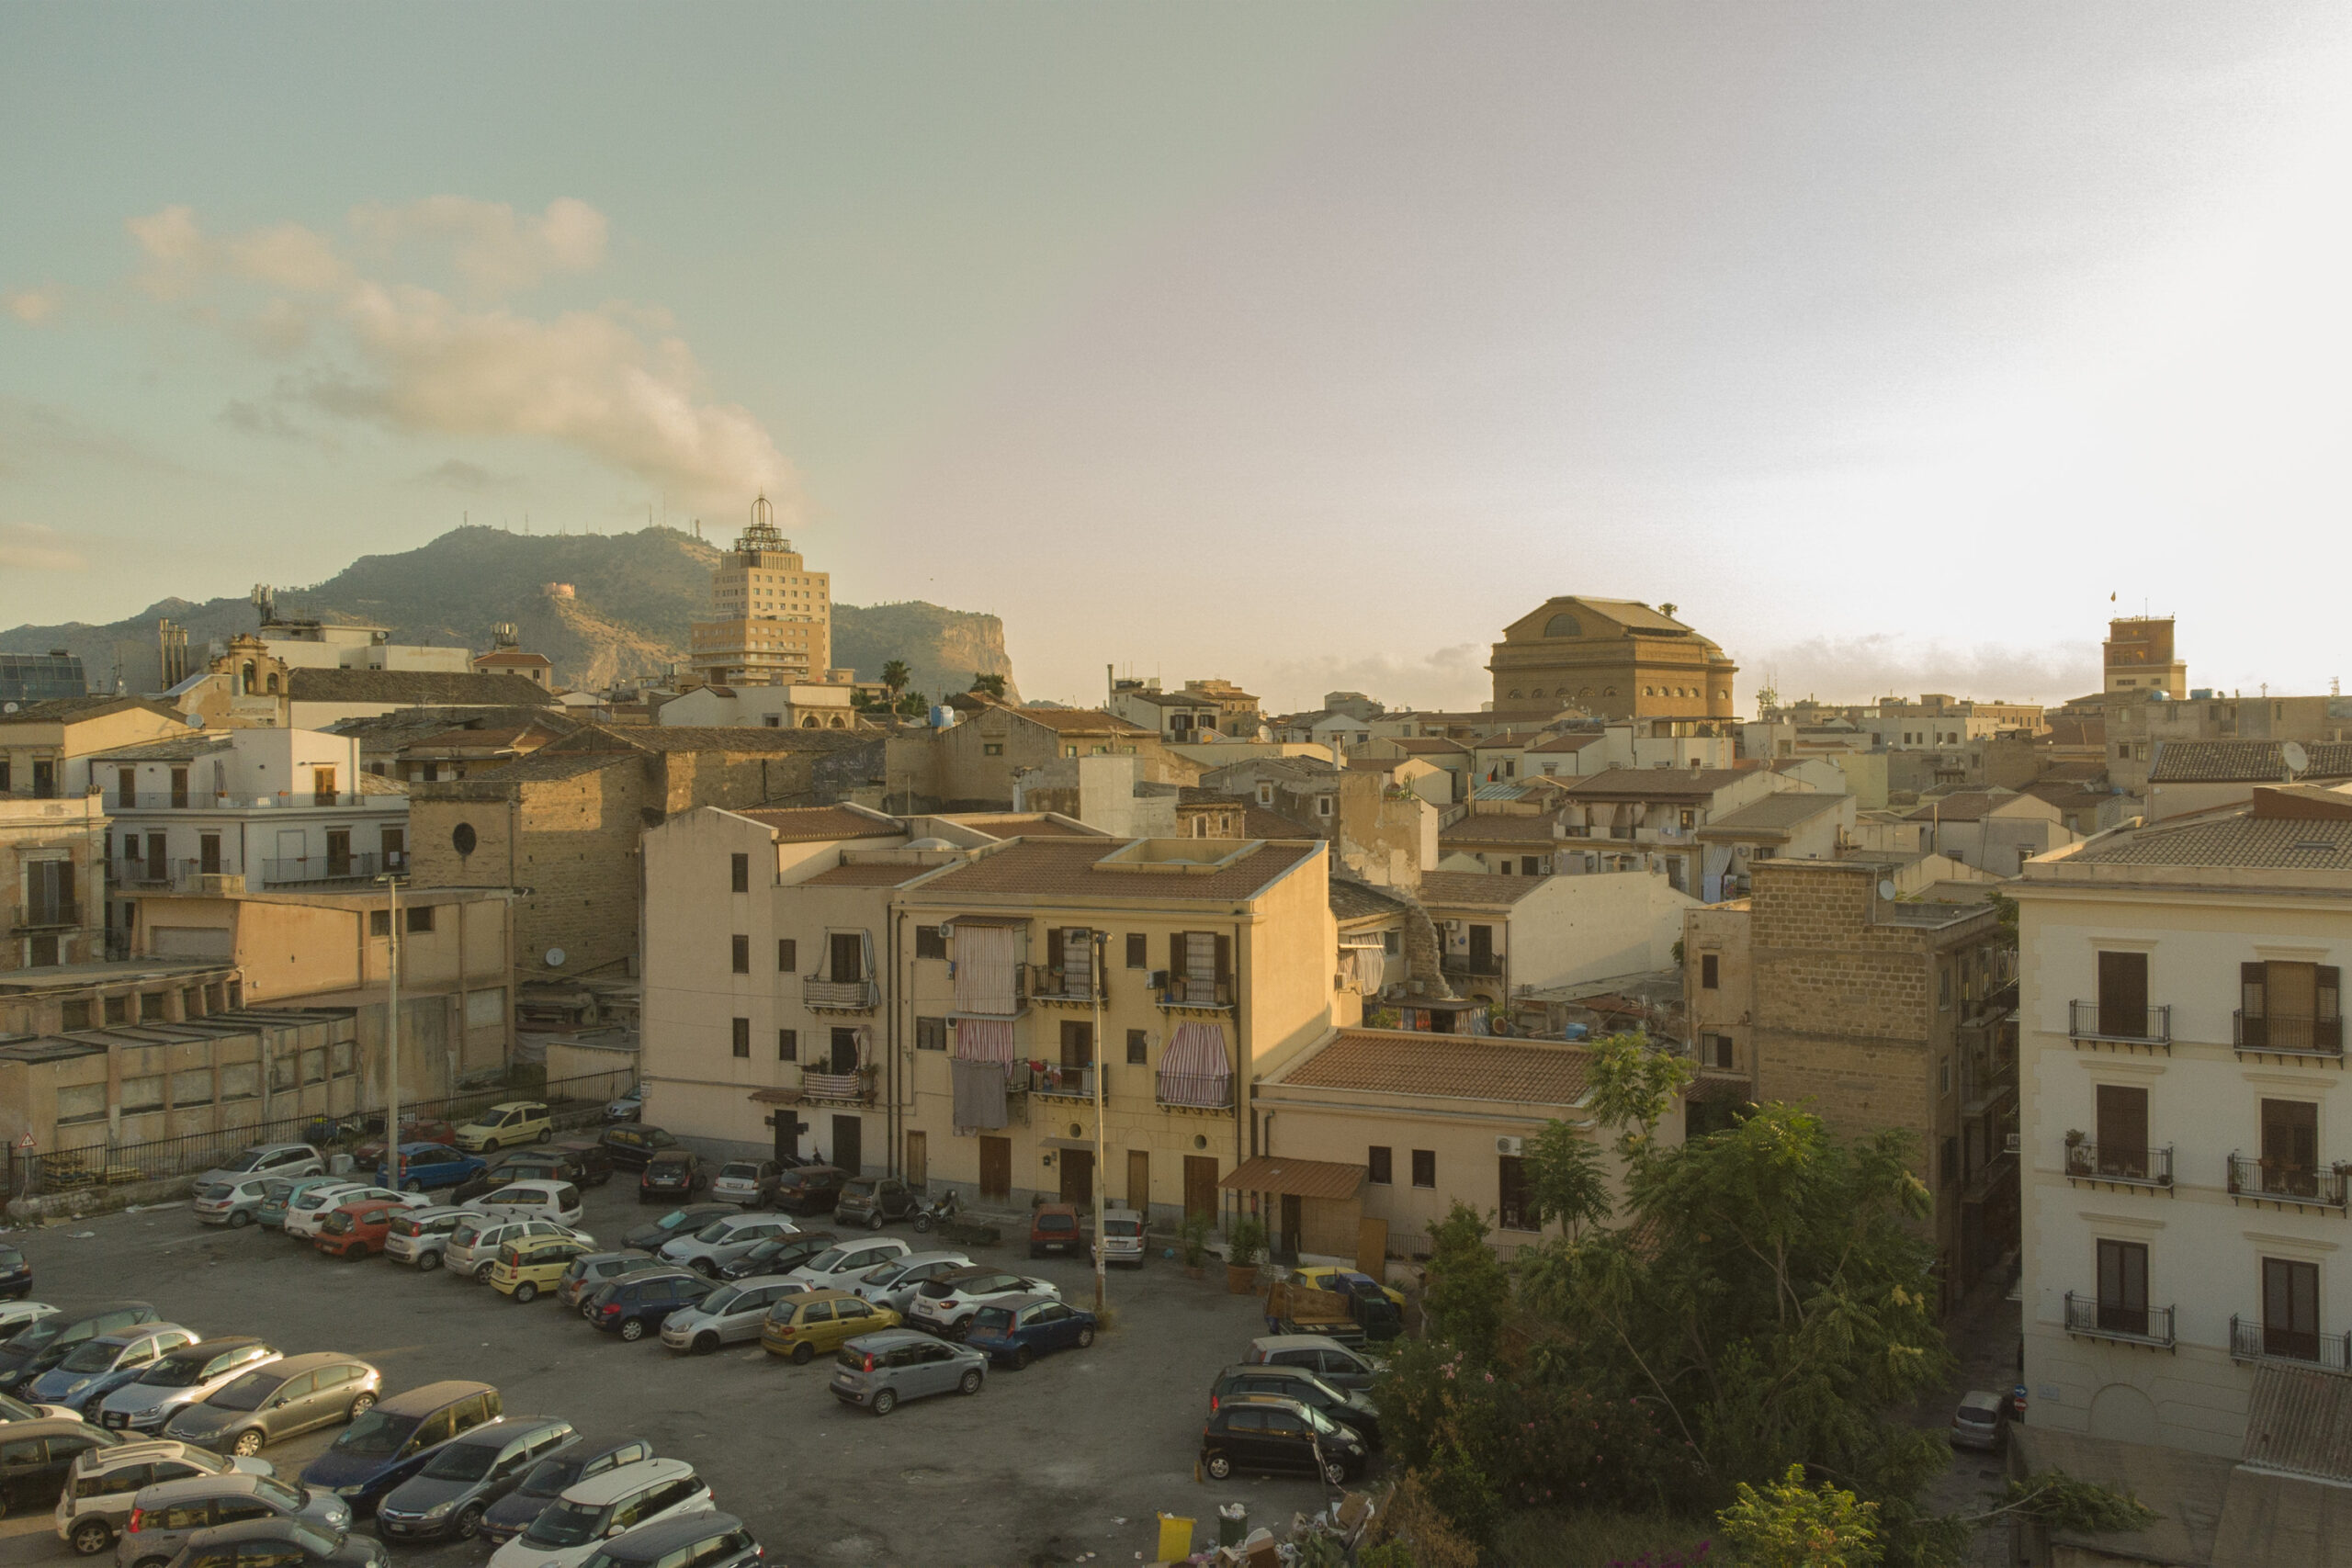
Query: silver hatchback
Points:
[724, 1240]
[893, 1284]
[881, 1370]
[728, 1316]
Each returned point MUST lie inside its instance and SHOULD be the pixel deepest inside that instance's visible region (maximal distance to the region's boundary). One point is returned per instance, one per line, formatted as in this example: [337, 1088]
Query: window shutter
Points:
[1053, 948]
[1224, 959]
[1175, 955]
[2328, 1029]
[2254, 1022]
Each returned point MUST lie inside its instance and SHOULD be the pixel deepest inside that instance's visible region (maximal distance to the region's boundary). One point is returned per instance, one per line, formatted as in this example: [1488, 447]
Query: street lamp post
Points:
[1101, 939]
[393, 1039]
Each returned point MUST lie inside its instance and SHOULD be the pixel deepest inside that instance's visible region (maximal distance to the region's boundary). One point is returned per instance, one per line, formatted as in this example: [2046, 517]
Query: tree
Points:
[1788, 1525]
[894, 676]
[989, 685]
[1634, 1083]
[914, 705]
[1467, 1285]
[1565, 1179]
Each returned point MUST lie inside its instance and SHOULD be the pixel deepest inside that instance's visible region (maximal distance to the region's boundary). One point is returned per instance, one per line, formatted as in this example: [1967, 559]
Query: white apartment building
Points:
[2187, 1148]
[771, 617]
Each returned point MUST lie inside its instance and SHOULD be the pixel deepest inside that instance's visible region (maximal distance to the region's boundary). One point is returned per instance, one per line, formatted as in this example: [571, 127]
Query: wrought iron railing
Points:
[2282, 1036]
[2123, 1026]
[2096, 1319]
[1186, 993]
[1050, 984]
[1196, 1091]
[2251, 1339]
[2286, 1182]
[2126, 1164]
[320, 868]
[1071, 1083]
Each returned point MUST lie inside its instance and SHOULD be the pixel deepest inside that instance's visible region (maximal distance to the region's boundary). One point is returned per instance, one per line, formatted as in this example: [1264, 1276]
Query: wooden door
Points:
[338, 851]
[1200, 1185]
[2290, 1309]
[849, 1144]
[1372, 1247]
[1078, 1176]
[1294, 1221]
[996, 1166]
[846, 951]
[2122, 1131]
[208, 855]
[2123, 1287]
[322, 786]
[786, 1122]
[1482, 949]
[844, 1050]
[158, 863]
[2294, 1001]
[1139, 1181]
[918, 1162]
[2290, 1146]
[2123, 995]
[1078, 1050]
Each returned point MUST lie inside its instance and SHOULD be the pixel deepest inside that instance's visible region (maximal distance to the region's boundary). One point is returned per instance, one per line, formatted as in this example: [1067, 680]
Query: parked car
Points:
[724, 1240]
[178, 1378]
[809, 1188]
[636, 1304]
[675, 1224]
[279, 1543]
[1982, 1421]
[412, 1132]
[48, 1340]
[893, 1284]
[284, 1398]
[750, 1182]
[1053, 1227]
[16, 1281]
[267, 1159]
[809, 1323]
[1122, 1239]
[578, 1523]
[946, 1304]
[872, 1201]
[309, 1210]
[163, 1516]
[391, 1442]
[473, 1246]
[1373, 1308]
[15, 1317]
[358, 1231]
[1016, 1331]
[280, 1194]
[1326, 1357]
[627, 1108]
[235, 1203]
[447, 1499]
[589, 1155]
[421, 1237]
[582, 1163]
[590, 1269]
[556, 1201]
[95, 1501]
[631, 1144]
[100, 1365]
[1260, 1432]
[707, 1539]
[881, 1372]
[577, 1460]
[731, 1315]
[505, 1125]
[431, 1167]
[36, 1455]
[840, 1266]
[525, 1268]
[777, 1254]
[1353, 1411]
[672, 1174]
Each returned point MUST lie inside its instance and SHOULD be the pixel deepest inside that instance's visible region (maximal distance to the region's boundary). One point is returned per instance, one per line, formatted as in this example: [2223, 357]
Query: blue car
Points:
[103, 1363]
[424, 1167]
[1019, 1329]
[385, 1446]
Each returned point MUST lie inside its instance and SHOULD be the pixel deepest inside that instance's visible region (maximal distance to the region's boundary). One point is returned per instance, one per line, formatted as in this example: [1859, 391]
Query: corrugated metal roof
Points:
[2299, 1421]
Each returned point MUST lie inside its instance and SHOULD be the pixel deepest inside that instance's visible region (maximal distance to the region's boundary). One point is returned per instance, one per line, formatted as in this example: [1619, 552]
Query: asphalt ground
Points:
[1068, 1462]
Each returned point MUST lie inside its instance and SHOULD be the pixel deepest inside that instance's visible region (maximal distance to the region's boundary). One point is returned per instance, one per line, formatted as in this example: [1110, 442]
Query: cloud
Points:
[1859, 669]
[456, 473]
[28, 546]
[1448, 678]
[34, 306]
[493, 248]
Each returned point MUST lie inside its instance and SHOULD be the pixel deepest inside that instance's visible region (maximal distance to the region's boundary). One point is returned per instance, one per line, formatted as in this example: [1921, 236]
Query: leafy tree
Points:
[914, 705]
[2057, 1499]
[1565, 1179]
[894, 676]
[2007, 909]
[989, 685]
[1634, 1084]
[1790, 1525]
[1468, 1286]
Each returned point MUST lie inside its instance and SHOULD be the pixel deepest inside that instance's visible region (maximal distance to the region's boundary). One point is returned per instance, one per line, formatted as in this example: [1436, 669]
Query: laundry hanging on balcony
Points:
[984, 973]
[1364, 963]
[1194, 1070]
[980, 1094]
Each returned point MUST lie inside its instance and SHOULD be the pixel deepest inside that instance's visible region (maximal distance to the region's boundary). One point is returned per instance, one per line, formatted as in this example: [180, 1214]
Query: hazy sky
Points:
[1304, 346]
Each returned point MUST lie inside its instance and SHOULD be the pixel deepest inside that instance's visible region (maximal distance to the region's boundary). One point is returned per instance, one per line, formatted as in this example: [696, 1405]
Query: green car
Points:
[282, 1193]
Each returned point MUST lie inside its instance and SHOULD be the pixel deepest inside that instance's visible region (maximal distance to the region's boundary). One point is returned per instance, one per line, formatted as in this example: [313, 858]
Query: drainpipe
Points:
[1245, 1076]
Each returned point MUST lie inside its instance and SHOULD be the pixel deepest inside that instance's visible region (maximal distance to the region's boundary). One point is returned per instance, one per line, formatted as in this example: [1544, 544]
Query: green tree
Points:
[894, 676]
[913, 705]
[1467, 1285]
[1565, 1180]
[1633, 1085]
[989, 685]
[1787, 1524]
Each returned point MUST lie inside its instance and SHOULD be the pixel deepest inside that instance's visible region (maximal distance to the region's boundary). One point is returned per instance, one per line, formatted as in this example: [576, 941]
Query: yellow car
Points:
[505, 1126]
[804, 1325]
[1327, 1277]
[535, 1264]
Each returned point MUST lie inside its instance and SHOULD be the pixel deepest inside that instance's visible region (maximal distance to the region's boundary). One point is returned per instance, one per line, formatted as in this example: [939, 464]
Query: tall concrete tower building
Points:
[770, 618]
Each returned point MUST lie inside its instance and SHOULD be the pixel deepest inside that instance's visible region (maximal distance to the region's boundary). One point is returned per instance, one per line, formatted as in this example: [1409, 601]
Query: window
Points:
[742, 1037]
[739, 872]
[787, 1044]
[2290, 1309]
[1951, 1161]
[2290, 1007]
[1720, 1046]
[380, 922]
[1265, 795]
[1707, 972]
[787, 955]
[1138, 1047]
[1138, 951]
[1322, 806]
[996, 748]
[1379, 1165]
[931, 1034]
[1518, 1206]
[2291, 1148]
[931, 941]
[1425, 1167]
[2123, 1286]
[1943, 1068]
[740, 954]
[2122, 1131]
[420, 917]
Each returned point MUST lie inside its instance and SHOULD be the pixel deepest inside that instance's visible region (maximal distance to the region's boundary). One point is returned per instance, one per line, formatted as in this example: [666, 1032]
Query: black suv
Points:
[871, 1201]
[631, 1144]
[777, 1254]
[811, 1189]
[638, 1305]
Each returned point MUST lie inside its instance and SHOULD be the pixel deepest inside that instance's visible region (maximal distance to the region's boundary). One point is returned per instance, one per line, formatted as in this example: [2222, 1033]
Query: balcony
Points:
[1194, 1091]
[1066, 1083]
[1196, 996]
[119, 800]
[1064, 987]
[2282, 1182]
[2090, 1318]
[2253, 1340]
[2127, 1029]
[2120, 1165]
[1468, 964]
[322, 870]
[819, 1086]
[46, 915]
[838, 996]
[2312, 1039]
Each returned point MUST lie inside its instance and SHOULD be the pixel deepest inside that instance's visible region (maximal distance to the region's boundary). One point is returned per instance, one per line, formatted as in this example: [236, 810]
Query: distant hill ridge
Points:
[632, 598]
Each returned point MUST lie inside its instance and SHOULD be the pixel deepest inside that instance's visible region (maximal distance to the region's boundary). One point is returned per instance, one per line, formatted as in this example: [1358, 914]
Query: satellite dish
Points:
[2294, 756]
[1886, 888]
[10, 708]
[555, 958]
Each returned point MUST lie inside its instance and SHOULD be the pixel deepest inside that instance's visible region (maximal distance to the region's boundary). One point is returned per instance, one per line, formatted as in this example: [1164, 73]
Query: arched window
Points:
[1608, 691]
[837, 721]
[249, 679]
[1564, 624]
[1515, 694]
[808, 723]
[273, 683]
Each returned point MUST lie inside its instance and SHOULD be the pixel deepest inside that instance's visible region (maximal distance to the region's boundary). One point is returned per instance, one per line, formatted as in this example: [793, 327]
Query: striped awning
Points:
[1198, 1051]
[984, 1040]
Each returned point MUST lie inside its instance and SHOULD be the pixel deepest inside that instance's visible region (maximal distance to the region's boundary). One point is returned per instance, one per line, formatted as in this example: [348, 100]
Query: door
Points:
[2122, 1131]
[1200, 1185]
[1078, 1176]
[208, 855]
[1139, 1183]
[1294, 1218]
[996, 1166]
[2294, 1002]
[2123, 1287]
[179, 789]
[848, 1149]
[292, 849]
[322, 786]
[787, 1134]
[844, 1055]
[158, 863]
[1482, 949]
[2290, 1309]
[2123, 996]
[2291, 1148]
[847, 950]
[918, 1162]
[1078, 1050]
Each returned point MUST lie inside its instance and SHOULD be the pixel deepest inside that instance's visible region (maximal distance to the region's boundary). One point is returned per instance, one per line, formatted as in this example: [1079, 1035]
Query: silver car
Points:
[178, 1378]
[267, 1159]
[234, 1202]
[473, 1245]
[880, 1370]
[894, 1283]
[728, 1316]
[169, 1512]
[750, 1182]
[724, 1240]
[419, 1236]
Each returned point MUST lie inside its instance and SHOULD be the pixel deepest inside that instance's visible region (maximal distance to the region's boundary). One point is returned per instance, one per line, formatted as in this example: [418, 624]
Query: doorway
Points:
[2123, 996]
[1139, 1181]
[1293, 1220]
[847, 950]
[996, 1166]
[918, 1162]
[844, 1052]
[1078, 1176]
[787, 1123]
[848, 1147]
[1200, 1186]
[1482, 949]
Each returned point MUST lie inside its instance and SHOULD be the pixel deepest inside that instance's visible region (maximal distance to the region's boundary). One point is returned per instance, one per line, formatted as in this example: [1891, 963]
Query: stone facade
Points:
[1610, 658]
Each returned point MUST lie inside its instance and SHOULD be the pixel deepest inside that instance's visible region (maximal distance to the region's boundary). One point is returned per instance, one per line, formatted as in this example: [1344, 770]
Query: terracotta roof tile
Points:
[416, 688]
[815, 824]
[2244, 761]
[1655, 783]
[1475, 888]
[1498, 827]
[1080, 721]
[1448, 1067]
[1355, 901]
[1048, 868]
[866, 874]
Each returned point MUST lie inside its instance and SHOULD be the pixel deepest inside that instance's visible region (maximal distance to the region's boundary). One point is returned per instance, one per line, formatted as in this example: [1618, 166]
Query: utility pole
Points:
[1101, 939]
[392, 1042]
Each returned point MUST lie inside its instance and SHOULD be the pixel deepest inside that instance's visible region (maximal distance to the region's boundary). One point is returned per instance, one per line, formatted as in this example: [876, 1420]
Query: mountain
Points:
[626, 616]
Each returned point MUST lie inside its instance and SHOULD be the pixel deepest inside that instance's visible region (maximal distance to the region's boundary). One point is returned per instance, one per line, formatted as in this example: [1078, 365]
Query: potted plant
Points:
[1245, 1249]
[2078, 1155]
[1193, 1244]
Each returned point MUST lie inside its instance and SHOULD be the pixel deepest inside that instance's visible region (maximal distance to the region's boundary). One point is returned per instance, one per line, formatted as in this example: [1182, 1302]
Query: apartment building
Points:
[53, 883]
[770, 617]
[1996, 831]
[1503, 937]
[2182, 1043]
[39, 739]
[1651, 817]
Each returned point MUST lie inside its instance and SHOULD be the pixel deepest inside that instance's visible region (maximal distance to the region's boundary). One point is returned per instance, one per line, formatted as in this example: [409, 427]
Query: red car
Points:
[1053, 1227]
[371, 1153]
[356, 1231]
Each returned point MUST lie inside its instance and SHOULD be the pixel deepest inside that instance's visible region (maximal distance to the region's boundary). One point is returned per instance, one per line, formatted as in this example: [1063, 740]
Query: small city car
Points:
[893, 1284]
[806, 1325]
[638, 1305]
[673, 1173]
[1981, 1422]
[235, 1203]
[431, 1167]
[577, 1460]
[1353, 1411]
[710, 1540]
[556, 1201]
[627, 1108]
[358, 1231]
[1053, 1227]
[95, 1502]
[505, 1126]
[881, 1372]
[1324, 1357]
[473, 1246]
[1262, 1433]
[582, 1163]
[874, 1201]
[421, 1237]
[393, 1441]
[48, 1340]
[448, 1497]
[946, 1304]
[1016, 1331]
[724, 1240]
[15, 1279]
[279, 1543]
[778, 1254]
[1122, 1238]
[281, 1191]
[283, 1398]
[585, 1274]
[809, 1189]
[579, 1523]
[178, 1378]
[750, 1182]
[841, 1265]
[267, 1159]
[309, 1209]
[527, 1268]
[167, 1513]
[631, 1144]
[676, 1222]
[412, 1132]
[36, 1455]
[96, 1367]
[731, 1315]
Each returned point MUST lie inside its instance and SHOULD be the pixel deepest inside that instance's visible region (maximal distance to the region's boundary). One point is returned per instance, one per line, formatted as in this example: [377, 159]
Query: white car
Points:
[308, 1210]
[838, 1267]
[556, 1201]
[18, 1316]
[569, 1529]
[473, 1245]
[267, 1159]
[724, 1240]
[232, 1203]
[946, 1304]
[893, 1285]
[418, 1237]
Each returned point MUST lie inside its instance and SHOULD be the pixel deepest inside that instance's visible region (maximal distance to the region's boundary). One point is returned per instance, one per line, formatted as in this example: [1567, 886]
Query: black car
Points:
[1260, 1432]
[810, 1190]
[35, 1457]
[582, 1163]
[638, 1305]
[707, 1541]
[578, 1459]
[1352, 1411]
[15, 1274]
[673, 1173]
[54, 1338]
[873, 1200]
[449, 1496]
[279, 1543]
[777, 1254]
[631, 1144]
[675, 1224]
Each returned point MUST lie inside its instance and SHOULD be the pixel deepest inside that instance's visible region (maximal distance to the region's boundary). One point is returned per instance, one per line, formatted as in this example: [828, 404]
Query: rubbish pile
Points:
[1321, 1539]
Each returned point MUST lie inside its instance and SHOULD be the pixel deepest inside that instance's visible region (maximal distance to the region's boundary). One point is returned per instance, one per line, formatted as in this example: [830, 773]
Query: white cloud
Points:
[1859, 669]
[1452, 678]
[28, 546]
[34, 306]
[493, 248]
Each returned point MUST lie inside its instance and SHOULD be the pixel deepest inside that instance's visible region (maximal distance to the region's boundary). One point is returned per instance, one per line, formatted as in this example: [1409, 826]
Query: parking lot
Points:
[1063, 1462]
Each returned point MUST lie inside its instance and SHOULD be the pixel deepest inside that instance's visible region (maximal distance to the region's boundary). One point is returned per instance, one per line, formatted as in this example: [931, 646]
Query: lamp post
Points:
[393, 1039]
[1101, 941]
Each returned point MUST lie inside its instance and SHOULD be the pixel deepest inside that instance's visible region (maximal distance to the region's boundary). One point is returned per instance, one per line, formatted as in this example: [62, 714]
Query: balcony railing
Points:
[837, 996]
[1203, 993]
[46, 915]
[206, 800]
[2096, 1319]
[2278, 1036]
[311, 869]
[1064, 987]
[2089, 1023]
[1071, 1083]
[2283, 1181]
[2122, 1165]
[820, 1083]
[1467, 963]
[2254, 1340]
[1194, 1091]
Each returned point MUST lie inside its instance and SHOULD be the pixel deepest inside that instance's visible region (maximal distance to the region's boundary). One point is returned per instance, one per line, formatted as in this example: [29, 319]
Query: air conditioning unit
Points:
[2013, 1143]
[1513, 1146]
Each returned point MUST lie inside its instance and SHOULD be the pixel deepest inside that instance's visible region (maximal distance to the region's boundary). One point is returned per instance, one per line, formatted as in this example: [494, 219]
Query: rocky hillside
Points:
[632, 596]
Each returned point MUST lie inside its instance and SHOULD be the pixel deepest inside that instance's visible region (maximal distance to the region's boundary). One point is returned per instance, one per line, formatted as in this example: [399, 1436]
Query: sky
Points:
[1303, 345]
